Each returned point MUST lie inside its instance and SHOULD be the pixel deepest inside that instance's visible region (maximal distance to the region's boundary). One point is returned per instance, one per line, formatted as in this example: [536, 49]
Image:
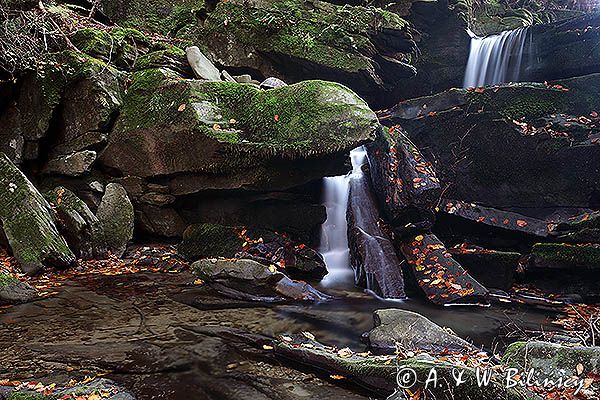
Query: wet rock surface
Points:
[403, 330]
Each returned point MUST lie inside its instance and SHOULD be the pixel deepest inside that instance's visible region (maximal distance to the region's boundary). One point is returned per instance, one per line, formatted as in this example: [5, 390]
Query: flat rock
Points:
[403, 330]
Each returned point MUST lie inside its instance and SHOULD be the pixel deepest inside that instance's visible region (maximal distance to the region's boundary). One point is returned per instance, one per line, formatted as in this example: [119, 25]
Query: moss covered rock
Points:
[366, 48]
[566, 256]
[552, 360]
[384, 374]
[171, 126]
[28, 223]
[116, 217]
[494, 146]
[79, 225]
[209, 240]
[13, 291]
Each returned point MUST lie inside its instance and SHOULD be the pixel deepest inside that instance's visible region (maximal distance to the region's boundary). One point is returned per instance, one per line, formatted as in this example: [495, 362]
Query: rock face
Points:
[28, 223]
[230, 129]
[79, 225]
[497, 147]
[209, 240]
[366, 48]
[250, 280]
[408, 331]
[13, 291]
[115, 215]
[553, 360]
[90, 94]
[566, 256]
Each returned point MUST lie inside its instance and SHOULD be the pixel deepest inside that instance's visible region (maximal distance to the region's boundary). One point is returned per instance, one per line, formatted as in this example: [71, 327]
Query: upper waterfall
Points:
[496, 58]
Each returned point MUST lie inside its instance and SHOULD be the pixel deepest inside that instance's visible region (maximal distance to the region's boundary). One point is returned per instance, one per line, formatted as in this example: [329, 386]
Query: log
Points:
[441, 278]
[372, 253]
[404, 182]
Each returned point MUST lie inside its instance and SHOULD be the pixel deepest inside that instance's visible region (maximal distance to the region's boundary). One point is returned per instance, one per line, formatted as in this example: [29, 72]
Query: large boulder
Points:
[403, 330]
[80, 227]
[89, 90]
[502, 146]
[116, 217]
[234, 134]
[27, 221]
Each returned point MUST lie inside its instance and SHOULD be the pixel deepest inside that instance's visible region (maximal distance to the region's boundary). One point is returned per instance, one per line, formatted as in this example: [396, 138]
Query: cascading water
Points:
[334, 231]
[496, 58]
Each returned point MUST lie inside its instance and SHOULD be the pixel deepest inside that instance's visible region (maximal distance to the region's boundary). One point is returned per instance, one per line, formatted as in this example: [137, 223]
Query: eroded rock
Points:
[28, 223]
[116, 216]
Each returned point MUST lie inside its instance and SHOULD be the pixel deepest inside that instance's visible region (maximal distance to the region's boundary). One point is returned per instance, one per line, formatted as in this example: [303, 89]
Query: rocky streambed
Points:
[178, 219]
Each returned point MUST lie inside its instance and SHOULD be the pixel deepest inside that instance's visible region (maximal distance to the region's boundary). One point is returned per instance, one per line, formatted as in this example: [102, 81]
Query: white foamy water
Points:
[334, 231]
[496, 58]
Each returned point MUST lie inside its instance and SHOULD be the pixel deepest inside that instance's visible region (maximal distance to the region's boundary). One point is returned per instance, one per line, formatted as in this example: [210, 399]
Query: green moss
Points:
[29, 396]
[161, 58]
[209, 240]
[519, 101]
[7, 279]
[585, 255]
[334, 36]
[160, 16]
[289, 120]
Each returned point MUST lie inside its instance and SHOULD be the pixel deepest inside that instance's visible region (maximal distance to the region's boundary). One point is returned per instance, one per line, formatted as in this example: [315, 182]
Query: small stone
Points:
[272, 83]
[203, 68]
[75, 164]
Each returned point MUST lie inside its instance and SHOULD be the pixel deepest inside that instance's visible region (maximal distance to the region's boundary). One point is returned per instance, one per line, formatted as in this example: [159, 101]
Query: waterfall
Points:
[334, 231]
[496, 58]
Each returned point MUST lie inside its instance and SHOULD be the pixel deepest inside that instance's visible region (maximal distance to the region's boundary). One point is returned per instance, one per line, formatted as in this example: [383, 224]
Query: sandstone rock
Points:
[369, 50]
[79, 225]
[116, 216]
[75, 164]
[441, 278]
[372, 254]
[403, 330]
[28, 223]
[203, 68]
[234, 132]
[250, 280]
[13, 291]
[160, 221]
